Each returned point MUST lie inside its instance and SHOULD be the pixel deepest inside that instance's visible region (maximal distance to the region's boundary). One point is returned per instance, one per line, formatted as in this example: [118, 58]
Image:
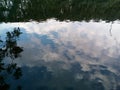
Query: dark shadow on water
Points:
[9, 51]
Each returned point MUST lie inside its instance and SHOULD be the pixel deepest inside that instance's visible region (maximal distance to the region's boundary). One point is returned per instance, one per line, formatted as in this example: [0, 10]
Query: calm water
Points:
[59, 45]
[67, 55]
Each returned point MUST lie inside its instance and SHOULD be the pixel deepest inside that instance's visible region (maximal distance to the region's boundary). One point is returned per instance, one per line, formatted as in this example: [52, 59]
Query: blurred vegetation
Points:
[24, 10]
[9, 51]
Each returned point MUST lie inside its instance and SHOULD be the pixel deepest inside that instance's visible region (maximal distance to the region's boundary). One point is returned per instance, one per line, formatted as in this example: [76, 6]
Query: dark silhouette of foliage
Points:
[9, 48]
[24, 10]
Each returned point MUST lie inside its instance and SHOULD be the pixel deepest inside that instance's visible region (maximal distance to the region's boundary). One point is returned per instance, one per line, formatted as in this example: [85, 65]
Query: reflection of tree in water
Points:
[10, 49]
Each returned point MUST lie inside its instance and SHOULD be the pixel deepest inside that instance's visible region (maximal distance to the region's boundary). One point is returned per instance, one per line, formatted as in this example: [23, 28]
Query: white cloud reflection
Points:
[86, 43]
[60, 45]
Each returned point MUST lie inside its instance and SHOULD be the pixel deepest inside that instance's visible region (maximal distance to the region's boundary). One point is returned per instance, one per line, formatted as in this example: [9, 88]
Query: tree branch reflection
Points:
[9, 49]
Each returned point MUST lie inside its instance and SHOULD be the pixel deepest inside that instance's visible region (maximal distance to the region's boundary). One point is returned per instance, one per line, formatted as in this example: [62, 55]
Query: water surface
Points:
[67, 55]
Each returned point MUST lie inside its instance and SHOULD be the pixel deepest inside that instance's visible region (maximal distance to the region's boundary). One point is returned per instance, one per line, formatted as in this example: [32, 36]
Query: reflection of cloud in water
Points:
[73, 41]
[60, 45]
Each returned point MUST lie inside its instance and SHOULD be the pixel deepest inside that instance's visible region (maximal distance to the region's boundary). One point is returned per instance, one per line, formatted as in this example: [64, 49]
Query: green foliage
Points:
[24, 10]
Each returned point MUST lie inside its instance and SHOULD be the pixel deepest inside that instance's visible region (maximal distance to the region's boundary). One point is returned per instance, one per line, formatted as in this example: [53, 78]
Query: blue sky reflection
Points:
[78, 47]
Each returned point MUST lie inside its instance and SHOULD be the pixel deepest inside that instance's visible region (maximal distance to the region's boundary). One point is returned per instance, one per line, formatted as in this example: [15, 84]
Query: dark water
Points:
[59, 45]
